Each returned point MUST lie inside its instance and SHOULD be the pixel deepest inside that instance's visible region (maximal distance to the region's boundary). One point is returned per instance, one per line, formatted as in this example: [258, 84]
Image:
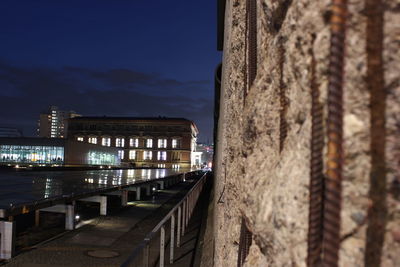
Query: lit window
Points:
[175, 166]
[175, 143]
[149, 142]
[147, 155]
[80, 139]
[120, 142]
[161, 155]
[93, 140]
[132, 154]
[134, 142]
[162, 143]
[121, 154]
[106, 141]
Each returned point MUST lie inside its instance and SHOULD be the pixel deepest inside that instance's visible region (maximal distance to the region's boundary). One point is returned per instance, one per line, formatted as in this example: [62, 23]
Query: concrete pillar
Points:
[7, 239]
[161, 183]
[37, 218]
[103, 205]
[124, 198]
[69, 211]
[70, 217]
[99, 199]
[138, 189]
[148, 189]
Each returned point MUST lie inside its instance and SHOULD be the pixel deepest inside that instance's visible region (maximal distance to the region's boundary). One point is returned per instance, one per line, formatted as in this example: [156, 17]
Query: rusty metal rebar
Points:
[334, 164]
[282, 99]
[251, 44]
[377, 213]
[244, 243]
[315, 228]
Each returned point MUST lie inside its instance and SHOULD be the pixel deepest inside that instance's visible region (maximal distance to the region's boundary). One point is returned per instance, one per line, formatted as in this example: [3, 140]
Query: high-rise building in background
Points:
[54, 123]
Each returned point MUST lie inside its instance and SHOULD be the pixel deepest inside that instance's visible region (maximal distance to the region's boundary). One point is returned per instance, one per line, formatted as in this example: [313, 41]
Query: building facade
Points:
[142, 142]
[53, 124]
[27, 151]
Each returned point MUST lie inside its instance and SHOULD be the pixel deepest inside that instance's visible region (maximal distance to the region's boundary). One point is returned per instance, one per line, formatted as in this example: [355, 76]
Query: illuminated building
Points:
[142, 142]
[55, 152]
[53, 124]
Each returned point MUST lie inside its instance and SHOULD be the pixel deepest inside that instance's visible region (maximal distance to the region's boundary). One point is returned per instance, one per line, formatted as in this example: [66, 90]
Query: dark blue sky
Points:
[107, 57]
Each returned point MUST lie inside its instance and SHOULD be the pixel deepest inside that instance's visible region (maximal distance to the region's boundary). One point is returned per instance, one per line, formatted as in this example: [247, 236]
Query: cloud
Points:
[25, 92]
[128, 79]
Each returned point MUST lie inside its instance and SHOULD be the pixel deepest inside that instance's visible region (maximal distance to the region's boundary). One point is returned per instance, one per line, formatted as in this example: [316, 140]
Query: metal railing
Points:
[178, 216]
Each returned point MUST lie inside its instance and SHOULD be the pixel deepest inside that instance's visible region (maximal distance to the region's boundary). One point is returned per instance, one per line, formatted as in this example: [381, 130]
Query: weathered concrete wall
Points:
[269, 186]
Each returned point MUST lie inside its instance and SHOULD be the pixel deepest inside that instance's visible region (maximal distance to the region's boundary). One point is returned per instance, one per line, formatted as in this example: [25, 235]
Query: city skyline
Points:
[102, 59]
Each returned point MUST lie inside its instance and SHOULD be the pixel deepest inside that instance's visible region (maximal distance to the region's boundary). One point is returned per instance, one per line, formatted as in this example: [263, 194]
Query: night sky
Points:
[107, 57]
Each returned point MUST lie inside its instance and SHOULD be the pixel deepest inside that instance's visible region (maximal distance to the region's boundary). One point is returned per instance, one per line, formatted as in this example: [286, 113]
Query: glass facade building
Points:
[55, 151]
[32, 154]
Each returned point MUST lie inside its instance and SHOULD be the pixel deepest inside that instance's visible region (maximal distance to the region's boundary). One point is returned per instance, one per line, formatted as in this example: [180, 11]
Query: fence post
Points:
[146, 251]
[162, 245]
[183, 218]
[172, 243]
[178, 231]
[187, 213]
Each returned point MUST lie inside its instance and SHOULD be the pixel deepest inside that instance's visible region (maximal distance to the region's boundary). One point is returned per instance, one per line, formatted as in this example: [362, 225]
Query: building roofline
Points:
[138, 119]
[129, 118]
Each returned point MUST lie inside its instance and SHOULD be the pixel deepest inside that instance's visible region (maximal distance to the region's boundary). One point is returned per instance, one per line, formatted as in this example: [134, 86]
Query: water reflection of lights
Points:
[131, 173]
[160, 173]
[102, 181]
[89, 180]
[47, 188]
[117, 181]
[146, 173]
[119, 174]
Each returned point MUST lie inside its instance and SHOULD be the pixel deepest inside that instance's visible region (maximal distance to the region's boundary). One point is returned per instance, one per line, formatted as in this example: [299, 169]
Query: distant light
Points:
[154, 188]
[17, 166]
[109, 167]
[101, 167]
[77, 217]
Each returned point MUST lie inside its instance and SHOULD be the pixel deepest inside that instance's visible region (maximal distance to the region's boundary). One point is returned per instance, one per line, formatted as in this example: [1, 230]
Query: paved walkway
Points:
[108, 240]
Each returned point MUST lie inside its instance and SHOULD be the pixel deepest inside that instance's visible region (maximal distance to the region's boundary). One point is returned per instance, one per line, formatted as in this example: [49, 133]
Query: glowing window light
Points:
[132, 154]
[147, 155]
[162, 143]
[161, 155]
[149, 142]
[121, 154]
[93, 140]
[106, 141]
[120, 142]
[134, 142]
[175, 143]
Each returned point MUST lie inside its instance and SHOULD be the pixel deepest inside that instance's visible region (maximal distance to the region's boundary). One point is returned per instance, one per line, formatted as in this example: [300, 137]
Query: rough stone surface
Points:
[269, 187]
